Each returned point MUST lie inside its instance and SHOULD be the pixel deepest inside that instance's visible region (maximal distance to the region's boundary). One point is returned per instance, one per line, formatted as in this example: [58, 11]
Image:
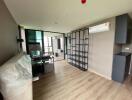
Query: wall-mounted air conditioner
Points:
[100, 28]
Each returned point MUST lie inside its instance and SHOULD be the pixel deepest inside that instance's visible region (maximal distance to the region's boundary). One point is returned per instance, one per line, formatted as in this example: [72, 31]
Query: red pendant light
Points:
[83, 1]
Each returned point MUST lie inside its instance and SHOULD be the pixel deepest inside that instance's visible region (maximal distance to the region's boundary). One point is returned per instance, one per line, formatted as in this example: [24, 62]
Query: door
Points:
[34, 41]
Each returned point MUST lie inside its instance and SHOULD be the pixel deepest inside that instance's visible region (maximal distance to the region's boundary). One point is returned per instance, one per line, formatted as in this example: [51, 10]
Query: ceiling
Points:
[64, 15]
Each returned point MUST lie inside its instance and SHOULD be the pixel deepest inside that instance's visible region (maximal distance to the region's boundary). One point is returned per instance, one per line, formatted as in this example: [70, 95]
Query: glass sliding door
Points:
[48, 45]
[34, 45]
[34, 42]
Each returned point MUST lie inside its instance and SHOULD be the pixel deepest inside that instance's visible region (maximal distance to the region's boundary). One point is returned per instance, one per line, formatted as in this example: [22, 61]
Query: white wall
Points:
[101, 50]
[8, 33]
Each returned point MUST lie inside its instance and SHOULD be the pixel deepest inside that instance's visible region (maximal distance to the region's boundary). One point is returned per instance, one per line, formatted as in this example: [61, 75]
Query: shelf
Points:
[74, 64]
[78, 52]
[81, 56]
[71, 54]
[84, 39]
[82, 51]
[81, 62]
[77, 55]
[84, 63]
[73, 46]
[78, 66]
[82, 44]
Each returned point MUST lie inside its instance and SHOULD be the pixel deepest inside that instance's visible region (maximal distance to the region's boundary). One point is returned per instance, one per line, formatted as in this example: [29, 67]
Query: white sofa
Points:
[16, 78]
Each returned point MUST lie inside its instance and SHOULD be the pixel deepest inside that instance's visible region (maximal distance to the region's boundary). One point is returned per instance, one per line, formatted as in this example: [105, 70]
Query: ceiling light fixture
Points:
[83, 1]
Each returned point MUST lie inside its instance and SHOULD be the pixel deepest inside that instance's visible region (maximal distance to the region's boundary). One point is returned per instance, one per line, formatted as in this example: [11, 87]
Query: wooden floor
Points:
[70, 83]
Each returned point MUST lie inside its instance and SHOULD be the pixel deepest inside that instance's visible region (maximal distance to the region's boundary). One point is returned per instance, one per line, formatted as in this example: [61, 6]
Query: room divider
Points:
[78, 49]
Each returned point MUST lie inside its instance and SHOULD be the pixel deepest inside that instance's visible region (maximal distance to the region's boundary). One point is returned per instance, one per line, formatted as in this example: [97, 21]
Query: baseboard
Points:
[93, 71]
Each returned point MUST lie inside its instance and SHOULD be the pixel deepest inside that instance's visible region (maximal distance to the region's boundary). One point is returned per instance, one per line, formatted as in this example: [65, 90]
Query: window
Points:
[34, 41]
[48, 45]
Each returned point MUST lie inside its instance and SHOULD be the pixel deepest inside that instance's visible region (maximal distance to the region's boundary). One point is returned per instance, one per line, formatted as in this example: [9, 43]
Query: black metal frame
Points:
[19, 29]
[78, 52]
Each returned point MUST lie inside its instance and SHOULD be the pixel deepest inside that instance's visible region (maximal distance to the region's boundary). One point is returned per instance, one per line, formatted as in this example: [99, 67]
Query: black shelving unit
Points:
[78, 48]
